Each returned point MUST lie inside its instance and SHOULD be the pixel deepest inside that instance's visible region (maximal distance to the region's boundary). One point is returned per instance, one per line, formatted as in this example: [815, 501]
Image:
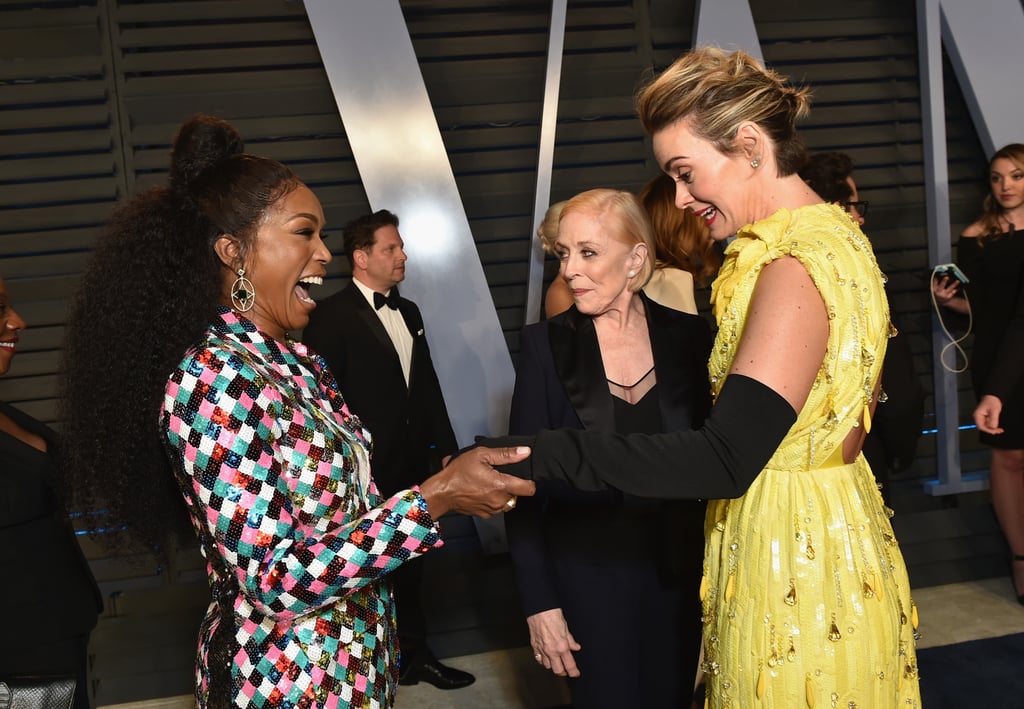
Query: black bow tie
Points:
[380, 300]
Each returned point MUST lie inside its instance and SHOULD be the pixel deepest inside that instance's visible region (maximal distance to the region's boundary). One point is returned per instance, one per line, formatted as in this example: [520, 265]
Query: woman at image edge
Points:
[805, 594]
[991, 253]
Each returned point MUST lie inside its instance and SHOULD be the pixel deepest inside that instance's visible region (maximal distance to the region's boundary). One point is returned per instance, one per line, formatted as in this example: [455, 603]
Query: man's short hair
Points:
[359, 233]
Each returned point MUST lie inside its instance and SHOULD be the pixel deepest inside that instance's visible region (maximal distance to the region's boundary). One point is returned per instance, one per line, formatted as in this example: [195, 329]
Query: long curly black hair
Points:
[147, 295]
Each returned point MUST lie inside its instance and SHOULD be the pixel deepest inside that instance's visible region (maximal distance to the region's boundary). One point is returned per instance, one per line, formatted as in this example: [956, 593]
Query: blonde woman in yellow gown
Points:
[805, 593]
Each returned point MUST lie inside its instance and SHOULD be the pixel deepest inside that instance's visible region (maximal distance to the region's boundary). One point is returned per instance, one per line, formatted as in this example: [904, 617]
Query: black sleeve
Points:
[528, 412]
[722, 459]
[1008, 367]
[968, 256]
[524, 527]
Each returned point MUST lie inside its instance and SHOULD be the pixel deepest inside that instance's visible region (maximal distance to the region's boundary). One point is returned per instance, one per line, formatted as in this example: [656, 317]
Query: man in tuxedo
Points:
[373, 342]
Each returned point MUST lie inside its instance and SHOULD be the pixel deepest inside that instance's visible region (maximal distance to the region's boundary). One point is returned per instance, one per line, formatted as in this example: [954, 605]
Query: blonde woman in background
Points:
[558, 298]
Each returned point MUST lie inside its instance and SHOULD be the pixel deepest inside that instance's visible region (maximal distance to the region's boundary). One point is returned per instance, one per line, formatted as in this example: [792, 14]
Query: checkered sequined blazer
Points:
[280, 469]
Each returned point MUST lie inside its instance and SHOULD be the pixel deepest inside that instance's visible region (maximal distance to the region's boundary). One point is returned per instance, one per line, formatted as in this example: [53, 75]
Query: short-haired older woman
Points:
[806, 597]
[616, 361]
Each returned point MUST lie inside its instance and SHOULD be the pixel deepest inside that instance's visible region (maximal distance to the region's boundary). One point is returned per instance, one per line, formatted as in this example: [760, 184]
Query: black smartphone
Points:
[951, 270]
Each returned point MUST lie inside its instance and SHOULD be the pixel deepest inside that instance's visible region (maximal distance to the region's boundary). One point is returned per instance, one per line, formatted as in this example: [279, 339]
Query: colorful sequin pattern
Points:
[281, 471]
[805, 595]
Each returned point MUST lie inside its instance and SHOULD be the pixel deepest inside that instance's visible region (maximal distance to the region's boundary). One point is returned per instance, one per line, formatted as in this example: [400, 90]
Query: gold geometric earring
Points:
[243, 295]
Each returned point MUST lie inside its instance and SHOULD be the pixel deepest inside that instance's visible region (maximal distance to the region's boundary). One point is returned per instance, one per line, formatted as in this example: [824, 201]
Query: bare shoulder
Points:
[973, 231]
[786, 332]
[785, 274]
[786, 293]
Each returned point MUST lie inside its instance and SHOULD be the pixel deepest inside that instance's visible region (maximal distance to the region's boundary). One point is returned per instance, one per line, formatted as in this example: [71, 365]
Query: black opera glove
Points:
[719, 460]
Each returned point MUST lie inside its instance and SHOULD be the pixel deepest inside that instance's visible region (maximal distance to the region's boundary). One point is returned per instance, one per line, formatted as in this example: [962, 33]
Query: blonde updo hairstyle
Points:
[716, 91]
[621, 214]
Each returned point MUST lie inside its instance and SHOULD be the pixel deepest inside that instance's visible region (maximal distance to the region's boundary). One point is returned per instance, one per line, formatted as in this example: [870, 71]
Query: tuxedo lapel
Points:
[414, 323]
[364, 311]
[411, 316]
[668, 347]
[577, 357]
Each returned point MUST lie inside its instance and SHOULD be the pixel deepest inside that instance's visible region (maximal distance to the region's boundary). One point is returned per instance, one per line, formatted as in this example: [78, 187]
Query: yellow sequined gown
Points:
[805, 595]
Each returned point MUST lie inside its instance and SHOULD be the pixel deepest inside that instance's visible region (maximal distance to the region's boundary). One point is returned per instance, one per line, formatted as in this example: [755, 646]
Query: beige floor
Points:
[509, 679]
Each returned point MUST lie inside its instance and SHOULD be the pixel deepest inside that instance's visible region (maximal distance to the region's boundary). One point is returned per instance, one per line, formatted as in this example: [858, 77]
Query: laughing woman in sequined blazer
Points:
[209, 275]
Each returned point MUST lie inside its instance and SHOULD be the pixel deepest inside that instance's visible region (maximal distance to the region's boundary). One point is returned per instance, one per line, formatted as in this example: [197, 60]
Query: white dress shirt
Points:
[394, 323]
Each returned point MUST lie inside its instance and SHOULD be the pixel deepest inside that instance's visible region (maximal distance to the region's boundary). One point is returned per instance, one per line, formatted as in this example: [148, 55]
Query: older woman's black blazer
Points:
[560, 383]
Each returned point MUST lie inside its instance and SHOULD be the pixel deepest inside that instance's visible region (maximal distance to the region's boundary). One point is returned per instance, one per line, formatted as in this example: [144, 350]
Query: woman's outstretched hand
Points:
[469, 484]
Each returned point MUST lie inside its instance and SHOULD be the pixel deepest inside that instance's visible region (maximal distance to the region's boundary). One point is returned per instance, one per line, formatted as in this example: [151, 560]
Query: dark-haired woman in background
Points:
[51, 598]
[616, 361]
[991, 253]
[199, 283]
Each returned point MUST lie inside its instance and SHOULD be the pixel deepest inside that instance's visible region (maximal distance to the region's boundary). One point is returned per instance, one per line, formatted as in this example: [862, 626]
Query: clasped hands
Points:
[469, 483]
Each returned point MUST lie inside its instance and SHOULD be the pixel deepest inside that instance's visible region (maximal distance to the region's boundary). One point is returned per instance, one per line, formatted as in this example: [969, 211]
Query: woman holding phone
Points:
[991, 254]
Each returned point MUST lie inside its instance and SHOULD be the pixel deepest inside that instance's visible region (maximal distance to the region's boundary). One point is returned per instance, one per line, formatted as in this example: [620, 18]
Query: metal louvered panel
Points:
[254, 63]
[59, 175]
